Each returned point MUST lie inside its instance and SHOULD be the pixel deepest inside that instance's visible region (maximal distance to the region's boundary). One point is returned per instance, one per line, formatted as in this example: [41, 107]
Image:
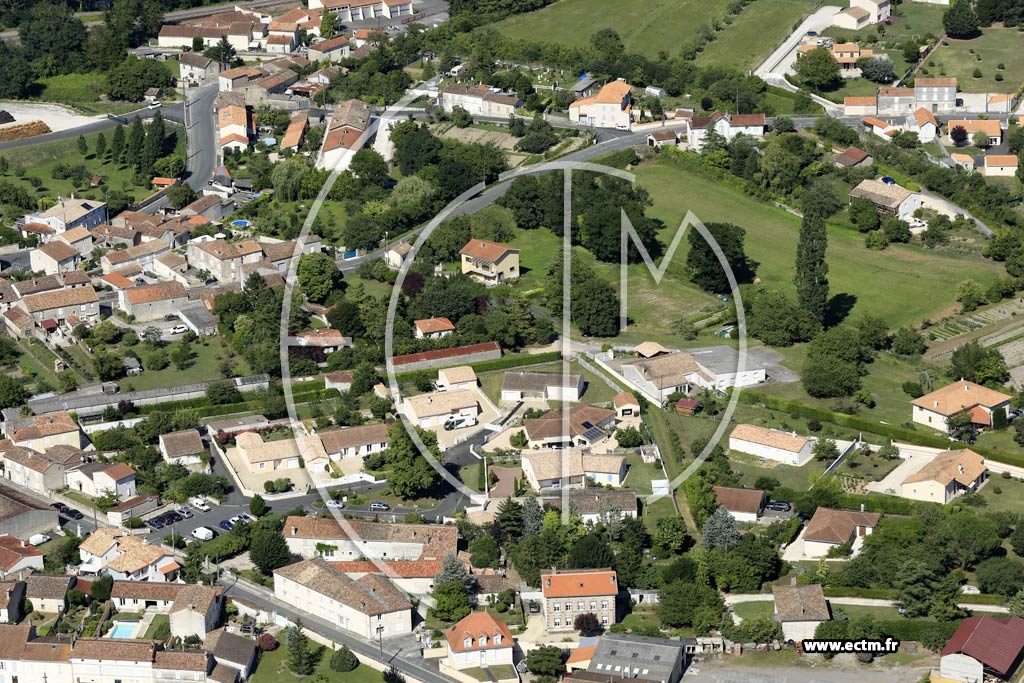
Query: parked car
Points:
[203, 533]
[73, 513]
[239, 519]
[201, 505]
[38, 539]
[172, 518]
[778, 506]
[156, 523]
[336, 504]
[60, 507]
[534, 607]
[246, 517]
[225, 524]
[179, 329]
[458, 422]
[185, 513]
[171, 317]
[379, 507]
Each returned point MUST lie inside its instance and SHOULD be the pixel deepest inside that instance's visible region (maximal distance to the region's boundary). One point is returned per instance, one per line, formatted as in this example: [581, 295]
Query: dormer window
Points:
[497, 639]
[483, 641]
[468, 642]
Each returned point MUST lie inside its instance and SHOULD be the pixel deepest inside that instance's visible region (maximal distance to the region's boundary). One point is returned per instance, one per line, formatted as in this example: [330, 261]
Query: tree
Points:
[720, 531]
[484, 552]
[52, 38]
[970, 295]
[453, 569]
[101, 145]
[327, 26]
[671, 534]
[825, 449]
[811, 277]
[976, 363]
[958, 134]
[117, 144]
[980, 139]
[684, 604]
[343, 660]
[969, 538]
[1016, 604]
[301, 655]
[587, 624]
[83, 145]
[590, 552]
[12, 393]
[369, 166]
[545, 660]
[1002, 575]
[702, 262]
[258, 506]
[100, 591]
[222, 393]
[959, 20]
[269, 551]
[509, 518]
[130, 79]
[877, 69]
[595, 308]
[911, 52]
[223, 52]
[908, 342]
[818, 68]
[864, 215]
[451, 602]
[319, 276]
[181, 195]
[533, 515]
[630, 437]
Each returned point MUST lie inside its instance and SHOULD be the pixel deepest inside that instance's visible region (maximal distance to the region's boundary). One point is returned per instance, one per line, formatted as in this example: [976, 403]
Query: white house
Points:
[98, 478]
[664, 374]
[800, 609]
[433, 328]
[888, 198]
[924, 123]
[946, 476]
[458, 377]
[18, 557]
[478, 100]
[829, 529]
[744, 505]
[111, 551]
[572, 468]
[771, 444]
[934, 409]
[611, 107]
[726, 125]
[431, 410]
[196, 68]
[371, 606]
[352, 442]
[478, 640]
[194, 609]
[519, 385]
[183, 448]
[357, 539]
[54, 257]
[70, 213]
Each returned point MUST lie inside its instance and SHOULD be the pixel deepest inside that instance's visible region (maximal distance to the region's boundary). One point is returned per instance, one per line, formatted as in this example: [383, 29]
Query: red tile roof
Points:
[995, 642]
[579, 583]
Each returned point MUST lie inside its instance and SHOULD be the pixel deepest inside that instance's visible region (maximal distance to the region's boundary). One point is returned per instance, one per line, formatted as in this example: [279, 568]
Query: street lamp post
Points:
[380, 639]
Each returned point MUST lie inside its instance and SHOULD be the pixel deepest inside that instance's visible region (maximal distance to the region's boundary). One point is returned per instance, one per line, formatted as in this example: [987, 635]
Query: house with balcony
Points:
[490, 263]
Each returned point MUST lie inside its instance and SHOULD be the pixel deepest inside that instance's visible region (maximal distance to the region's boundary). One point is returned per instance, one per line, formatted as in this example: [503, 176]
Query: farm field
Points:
[752, 36]
[995, 46]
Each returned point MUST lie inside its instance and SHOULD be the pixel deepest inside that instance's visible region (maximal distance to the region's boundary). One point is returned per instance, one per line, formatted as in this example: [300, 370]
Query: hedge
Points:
[511, 361]
[889, 594]
[865, 425]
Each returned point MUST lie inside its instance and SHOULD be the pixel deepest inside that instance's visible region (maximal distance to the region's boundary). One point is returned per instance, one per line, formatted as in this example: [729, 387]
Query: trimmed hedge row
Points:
[889, 594]
[865, 425]
[496, 364]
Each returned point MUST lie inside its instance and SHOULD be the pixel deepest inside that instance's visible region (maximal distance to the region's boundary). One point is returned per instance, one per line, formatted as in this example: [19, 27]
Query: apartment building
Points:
[568, 593]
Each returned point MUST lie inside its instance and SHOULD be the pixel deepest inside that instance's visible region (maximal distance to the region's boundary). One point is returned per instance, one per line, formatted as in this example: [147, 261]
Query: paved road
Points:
[401, 651]
[780, 61]
[200, 125]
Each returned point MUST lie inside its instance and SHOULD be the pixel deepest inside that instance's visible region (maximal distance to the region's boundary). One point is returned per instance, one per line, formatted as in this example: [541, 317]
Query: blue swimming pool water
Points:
[123, 629]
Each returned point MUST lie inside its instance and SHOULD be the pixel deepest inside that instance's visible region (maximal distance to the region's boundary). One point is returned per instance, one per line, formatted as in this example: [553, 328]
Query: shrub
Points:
[343, 660]
[134, 522]
[266, 642]
[997, 490]
[814, 425]
[977, 72]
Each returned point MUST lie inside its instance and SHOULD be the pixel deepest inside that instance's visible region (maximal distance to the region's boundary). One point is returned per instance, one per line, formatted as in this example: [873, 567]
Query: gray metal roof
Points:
[655, 657]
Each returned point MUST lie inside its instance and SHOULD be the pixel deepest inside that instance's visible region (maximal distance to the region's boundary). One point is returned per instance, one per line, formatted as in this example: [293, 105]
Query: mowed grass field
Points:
[995, 46]
[646, 27]
[650, 26]
[925, 281]
[758, 30]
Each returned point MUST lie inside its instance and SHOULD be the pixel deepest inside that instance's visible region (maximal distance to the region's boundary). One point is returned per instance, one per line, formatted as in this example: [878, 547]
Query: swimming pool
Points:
[123, 629]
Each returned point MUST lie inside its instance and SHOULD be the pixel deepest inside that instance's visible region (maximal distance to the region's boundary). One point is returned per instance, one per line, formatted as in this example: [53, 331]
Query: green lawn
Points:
[645, 27]
[915, 20]
[595, 390]
[1010, 500]
[38, 162]
[994, 46]
[640, 474]
[926, 281]
[85, 91]
[273, 668]
[210, 352]
[876, 611]
[753, 610]
[755, 33]
[159, 621]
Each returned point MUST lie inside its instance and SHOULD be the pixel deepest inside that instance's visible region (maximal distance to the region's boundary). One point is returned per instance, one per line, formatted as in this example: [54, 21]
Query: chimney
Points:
[295, 530]
[960, 468]
[862, 507]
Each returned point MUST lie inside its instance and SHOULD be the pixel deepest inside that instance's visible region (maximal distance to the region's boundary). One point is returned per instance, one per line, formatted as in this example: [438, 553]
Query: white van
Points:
[202, 533]
[458, 422]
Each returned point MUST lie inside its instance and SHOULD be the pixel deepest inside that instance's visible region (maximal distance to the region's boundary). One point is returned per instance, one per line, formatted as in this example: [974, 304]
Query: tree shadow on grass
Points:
[839, 307]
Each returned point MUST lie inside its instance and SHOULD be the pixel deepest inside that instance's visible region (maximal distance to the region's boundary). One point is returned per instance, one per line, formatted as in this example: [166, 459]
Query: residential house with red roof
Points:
[54, 257]
[490, 263]
[610, 107]
[478, 640]
[18, 557]
[934, 409]
[154, 301]
[433, 328]
[349, 121]
[571, 592]
[223, 259]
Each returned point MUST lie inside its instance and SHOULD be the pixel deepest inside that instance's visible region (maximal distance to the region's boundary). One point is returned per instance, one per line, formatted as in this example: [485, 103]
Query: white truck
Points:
[202, 533]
